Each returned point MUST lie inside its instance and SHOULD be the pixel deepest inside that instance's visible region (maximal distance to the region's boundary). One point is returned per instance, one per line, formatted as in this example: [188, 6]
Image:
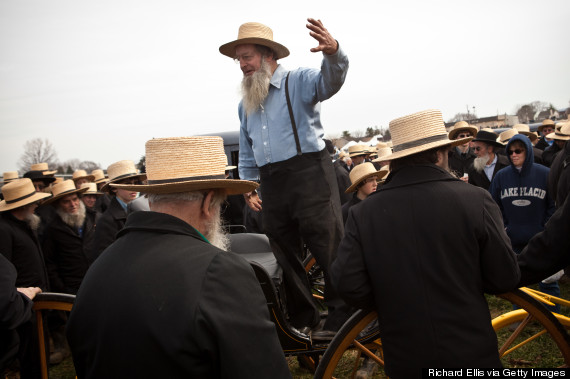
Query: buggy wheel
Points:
[358, 338]
[522, 331]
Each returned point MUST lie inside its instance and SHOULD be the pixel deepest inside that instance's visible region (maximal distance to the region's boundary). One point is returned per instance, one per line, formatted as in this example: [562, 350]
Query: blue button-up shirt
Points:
[266, 135]
[490, 168]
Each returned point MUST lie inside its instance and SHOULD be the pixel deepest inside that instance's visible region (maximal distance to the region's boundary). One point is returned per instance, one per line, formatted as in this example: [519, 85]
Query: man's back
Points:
[162, 302]
[431, 245]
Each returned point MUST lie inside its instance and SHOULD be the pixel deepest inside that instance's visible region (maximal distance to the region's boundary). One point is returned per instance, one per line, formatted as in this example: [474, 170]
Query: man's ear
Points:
[206, 202]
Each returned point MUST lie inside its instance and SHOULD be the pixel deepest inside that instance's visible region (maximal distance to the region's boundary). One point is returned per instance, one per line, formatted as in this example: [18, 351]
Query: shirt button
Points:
[264, 127]
[265, 143]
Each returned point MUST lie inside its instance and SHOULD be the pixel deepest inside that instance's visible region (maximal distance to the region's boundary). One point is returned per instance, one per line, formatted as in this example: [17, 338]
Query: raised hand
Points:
[327, 44]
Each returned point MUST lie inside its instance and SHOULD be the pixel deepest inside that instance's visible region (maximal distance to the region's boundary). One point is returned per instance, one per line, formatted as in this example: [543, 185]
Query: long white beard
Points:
[75, 220]
[480, 162]
[255, 88]
[215, 233]
[33, 221]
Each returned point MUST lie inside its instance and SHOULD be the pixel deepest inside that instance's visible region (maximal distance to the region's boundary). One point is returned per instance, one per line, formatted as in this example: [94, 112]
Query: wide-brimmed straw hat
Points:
[419, 132]
[43, 166]
[82, 174]
[547, 122]
[505, 136]
[91, 189]
[8, 176]
[362, 172]
[18, 193]
[490, 138]
[382, 153]
[257, 34]
[525, 129]
[356, 150]
[122, 170]
[186, 164]
[462, 126]
[563, 134]
[98, 176]
[59, 190]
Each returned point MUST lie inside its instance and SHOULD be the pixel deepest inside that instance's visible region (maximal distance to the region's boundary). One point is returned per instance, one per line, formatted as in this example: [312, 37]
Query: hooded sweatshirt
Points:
[522, 196]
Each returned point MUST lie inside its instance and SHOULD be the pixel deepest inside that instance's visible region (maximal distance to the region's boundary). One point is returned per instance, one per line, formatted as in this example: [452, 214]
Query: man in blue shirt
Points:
[281, 145]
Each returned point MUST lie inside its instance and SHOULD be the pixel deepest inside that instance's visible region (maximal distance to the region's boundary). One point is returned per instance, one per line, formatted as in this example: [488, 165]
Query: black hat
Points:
[39, 175]
[489, 138]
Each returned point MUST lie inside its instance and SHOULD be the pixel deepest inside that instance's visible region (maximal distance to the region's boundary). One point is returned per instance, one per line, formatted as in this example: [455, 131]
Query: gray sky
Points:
[100, 78]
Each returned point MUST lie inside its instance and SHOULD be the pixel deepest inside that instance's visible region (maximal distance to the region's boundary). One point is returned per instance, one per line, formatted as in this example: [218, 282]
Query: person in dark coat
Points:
[341, 173]
[115, 216]
[545, 129]
[559, 176]
[461, 157]
[560, 138]
[20, 246]
[442, 241]
[364, 181]
[488, 162]
[164, 301]
[102, 201]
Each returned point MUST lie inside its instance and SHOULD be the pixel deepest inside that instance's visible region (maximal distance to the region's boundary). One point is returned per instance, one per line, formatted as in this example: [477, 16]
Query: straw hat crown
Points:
[254, 33]
[18, 193]
[362, 172]
[356, 150]
[81, 174]
[547, 122]
[419, 132]
[98, 176]
[59, 190]
[91, 189]
[8, 176]
[184, 164]
[43, 166]
[382, 152]
[505, 136]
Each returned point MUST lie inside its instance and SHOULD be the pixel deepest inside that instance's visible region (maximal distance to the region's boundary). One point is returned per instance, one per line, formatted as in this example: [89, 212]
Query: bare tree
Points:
[70, 165]
[37, 151]
[89, 166]
[357, 134]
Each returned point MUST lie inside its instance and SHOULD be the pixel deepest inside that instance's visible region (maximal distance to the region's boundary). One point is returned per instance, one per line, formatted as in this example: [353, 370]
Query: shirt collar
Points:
[492, 163]
[122, 203]
[278, 76]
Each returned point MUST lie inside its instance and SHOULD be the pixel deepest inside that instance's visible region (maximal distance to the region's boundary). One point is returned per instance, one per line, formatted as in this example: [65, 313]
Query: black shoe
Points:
[323, 335]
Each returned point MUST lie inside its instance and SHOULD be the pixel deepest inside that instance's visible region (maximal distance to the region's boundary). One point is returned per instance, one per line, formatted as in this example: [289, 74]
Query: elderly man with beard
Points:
[188, 308]
[281, 145]
[487, 163]
[19, 244]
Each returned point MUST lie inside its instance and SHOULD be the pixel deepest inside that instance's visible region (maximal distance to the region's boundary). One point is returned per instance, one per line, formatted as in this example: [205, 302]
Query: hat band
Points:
[126, 175]
[20, 198]
[419, 142]
[176, 180]
[561, 134]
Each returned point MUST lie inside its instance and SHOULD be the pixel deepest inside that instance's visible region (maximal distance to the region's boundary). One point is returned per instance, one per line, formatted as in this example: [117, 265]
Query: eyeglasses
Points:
[516, 151]
[478, 148]
[464, 135]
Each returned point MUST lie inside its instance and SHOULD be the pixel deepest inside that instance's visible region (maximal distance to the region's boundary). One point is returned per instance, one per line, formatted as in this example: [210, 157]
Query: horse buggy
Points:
[358, 342]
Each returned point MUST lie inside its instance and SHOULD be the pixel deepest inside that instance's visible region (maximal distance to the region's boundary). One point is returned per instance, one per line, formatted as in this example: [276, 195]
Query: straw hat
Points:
[462, 126]
[490, 138]
[505, 136]
[67, 187]
[18, 193]
[562, 135]
[42, 167]
[362, 172]
[122, 170]
[8, 176]
[356, 150]
[419, 132]
[342, 154]
[99, 176]
[82, 174]
[524, 129]
[547, 122]
[382, 153]
[254, 33]
[91, 189]
[381, 145]
[185, 164]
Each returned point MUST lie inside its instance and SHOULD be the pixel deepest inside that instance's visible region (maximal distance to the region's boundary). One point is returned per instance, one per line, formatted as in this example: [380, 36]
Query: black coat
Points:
[108, 226]
[20, 245]
[559, 176]
[459, 163]
[479, 179]
[541, 144]
[549, 154]
[161, 302]
[65, 254]
[343, 180]
[346, 206]
[423, 250]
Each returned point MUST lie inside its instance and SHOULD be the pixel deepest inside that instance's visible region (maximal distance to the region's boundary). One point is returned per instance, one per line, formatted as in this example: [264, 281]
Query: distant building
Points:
[493, 122]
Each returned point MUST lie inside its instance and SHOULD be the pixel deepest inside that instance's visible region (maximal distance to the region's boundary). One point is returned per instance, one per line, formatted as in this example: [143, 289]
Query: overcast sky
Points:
[100, 78]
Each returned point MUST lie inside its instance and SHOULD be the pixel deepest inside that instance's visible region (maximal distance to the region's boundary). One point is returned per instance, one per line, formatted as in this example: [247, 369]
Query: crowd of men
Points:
[441, 216]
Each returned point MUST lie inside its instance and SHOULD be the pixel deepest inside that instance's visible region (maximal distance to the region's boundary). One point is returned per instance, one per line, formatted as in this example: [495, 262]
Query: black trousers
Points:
[301, 204]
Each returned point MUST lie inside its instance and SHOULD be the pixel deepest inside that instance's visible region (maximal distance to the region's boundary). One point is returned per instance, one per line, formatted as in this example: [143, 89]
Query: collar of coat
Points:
[411, 175]
[155, 222]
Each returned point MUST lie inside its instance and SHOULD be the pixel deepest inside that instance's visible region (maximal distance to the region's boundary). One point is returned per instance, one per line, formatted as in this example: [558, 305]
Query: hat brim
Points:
[555, 136]
[91, 178]
[427, 146]
[455, 132]
[64, 194]
[105, 187]
[232, 186]
[36, 197]
[229, 49]
[380, 174]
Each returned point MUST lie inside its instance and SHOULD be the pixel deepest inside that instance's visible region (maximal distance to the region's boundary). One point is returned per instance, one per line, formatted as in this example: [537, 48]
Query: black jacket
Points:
[559, 176]
[479, 179]
[459, 163]
[422, 251]
[346, 206]
[65, 254]
[161, 302]
[549, 154]
[108, 226]
[541, 144]
[342, 179]
[20, 245]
